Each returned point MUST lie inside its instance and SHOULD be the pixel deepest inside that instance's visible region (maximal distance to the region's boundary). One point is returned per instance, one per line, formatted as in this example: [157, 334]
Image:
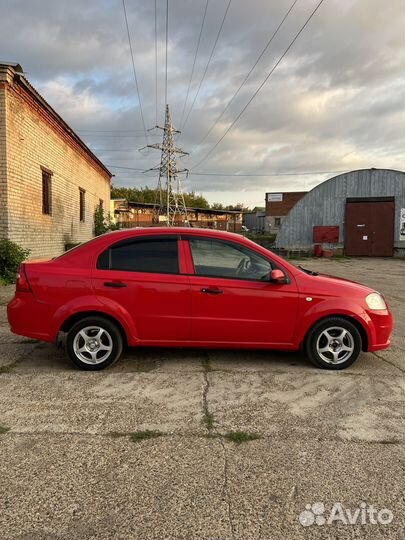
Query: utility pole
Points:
[171, 204]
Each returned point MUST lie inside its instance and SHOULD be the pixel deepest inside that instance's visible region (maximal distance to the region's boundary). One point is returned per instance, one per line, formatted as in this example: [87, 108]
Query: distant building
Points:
[140, 214]
[50, 181]
[360, 212]
[255, 221]
[278, 205]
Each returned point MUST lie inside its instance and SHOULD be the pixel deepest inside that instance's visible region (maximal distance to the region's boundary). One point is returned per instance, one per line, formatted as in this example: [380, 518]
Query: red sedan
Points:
[176, 287]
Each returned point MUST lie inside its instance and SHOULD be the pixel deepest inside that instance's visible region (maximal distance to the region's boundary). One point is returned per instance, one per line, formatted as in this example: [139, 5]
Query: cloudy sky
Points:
[334, 103]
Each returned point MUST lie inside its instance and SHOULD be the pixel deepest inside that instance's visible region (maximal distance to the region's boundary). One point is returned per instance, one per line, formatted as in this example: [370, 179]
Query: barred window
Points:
[82, 209]
[46, 192]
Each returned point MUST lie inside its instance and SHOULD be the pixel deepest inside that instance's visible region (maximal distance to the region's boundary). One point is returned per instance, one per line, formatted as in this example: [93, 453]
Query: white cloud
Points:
[335, 102]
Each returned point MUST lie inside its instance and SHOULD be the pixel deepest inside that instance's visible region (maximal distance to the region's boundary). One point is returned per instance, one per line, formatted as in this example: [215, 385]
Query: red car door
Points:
[233, 300]
[142, 276]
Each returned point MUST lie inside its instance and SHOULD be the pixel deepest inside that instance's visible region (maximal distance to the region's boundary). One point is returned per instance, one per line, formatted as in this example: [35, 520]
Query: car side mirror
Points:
[277, 276]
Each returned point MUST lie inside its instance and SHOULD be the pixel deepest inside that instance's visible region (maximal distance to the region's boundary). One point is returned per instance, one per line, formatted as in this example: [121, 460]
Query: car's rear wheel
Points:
[94, 343]
[333, 343]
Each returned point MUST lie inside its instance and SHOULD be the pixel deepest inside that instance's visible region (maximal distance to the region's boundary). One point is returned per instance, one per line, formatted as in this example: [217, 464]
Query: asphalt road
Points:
[70, 469]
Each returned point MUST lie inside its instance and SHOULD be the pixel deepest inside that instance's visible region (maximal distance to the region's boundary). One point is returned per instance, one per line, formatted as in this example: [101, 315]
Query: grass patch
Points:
[212, 435]
[9, 367]
[136, 436]
[206, 364]
[116, 434]
[139, 436]
[4, 429]
[240, 437]
[208, 420]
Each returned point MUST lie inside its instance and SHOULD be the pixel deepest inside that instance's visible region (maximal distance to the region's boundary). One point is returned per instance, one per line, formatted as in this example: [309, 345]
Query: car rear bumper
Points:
[28, 317]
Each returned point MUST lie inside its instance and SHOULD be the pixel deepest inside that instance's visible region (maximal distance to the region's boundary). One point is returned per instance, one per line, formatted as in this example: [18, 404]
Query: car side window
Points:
[223, 259]
[156, 256]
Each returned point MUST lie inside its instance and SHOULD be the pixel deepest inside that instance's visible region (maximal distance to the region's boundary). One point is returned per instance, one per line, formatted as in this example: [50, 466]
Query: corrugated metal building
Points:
[255, 221]
[362, 212]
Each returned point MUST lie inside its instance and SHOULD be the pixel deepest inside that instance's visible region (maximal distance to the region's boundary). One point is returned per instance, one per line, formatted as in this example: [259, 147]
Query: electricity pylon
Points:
[171, 203]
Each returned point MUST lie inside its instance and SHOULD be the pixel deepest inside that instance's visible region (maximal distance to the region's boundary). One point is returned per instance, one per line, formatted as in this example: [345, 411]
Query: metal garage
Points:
[361, 212]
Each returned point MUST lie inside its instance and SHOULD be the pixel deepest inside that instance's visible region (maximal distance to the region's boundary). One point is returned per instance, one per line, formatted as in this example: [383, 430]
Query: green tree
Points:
[240, 207]
[217, 206]
[151, 195]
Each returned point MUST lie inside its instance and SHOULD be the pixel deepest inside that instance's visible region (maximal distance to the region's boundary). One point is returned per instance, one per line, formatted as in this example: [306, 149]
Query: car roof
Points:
[83, 253]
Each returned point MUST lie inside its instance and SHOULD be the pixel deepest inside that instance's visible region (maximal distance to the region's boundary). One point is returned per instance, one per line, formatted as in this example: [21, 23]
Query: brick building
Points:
[50, 181]
[278, 205]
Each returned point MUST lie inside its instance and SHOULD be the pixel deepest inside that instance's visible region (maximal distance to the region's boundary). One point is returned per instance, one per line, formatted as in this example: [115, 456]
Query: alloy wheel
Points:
[92, 345]
[335, 345]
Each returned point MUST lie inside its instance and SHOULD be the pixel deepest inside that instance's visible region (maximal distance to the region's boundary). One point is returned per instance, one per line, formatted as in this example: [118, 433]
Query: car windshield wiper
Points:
[310, 272]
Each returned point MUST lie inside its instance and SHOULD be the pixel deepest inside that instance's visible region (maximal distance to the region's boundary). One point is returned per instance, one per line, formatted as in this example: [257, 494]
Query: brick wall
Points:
[3, 165]
[277, 210]
[281, 208]
[36, 141]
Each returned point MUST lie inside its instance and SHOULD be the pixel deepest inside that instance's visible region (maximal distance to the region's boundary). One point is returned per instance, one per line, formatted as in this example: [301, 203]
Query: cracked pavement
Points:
[323, 437]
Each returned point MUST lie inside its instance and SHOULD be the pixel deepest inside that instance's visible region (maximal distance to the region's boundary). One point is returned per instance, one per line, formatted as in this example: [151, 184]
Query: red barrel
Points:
[318, 250]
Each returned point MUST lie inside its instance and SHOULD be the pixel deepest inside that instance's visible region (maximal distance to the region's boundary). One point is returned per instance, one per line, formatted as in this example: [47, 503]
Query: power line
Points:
[156, 67]
[269, 174]
[167, 40]
[194, 61]
[262, 84]
[110, 130]
[294, 173]
[126, 168]
[113, 149]
[134, 70]
[250, 72]
[113, 136]
[208, 63]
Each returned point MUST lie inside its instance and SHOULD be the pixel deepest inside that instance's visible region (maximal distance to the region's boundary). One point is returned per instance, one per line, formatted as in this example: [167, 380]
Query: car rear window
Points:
[156, 256]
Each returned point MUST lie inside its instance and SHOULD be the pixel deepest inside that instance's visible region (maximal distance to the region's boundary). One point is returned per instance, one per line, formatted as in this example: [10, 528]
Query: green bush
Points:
[11, 256]
[102, 223]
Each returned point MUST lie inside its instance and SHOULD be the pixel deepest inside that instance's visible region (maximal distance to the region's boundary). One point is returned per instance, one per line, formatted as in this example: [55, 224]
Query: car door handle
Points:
[211, 291]
[114, 284]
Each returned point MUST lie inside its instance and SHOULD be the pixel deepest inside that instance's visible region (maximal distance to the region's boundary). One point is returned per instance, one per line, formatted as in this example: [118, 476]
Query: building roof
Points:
[20, 79]
[14, 65]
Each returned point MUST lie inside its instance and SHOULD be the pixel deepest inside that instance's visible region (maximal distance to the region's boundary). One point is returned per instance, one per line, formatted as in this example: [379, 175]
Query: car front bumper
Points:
[380, 326]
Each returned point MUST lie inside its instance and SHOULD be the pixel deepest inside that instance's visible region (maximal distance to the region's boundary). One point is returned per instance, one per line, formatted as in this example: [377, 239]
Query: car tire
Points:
[333, 343]
[94, 343]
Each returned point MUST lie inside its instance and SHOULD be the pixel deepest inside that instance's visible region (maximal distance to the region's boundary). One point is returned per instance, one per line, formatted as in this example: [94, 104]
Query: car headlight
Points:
[375, 301]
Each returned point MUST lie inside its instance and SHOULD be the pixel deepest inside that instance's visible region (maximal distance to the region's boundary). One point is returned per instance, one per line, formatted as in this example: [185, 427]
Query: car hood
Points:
[338, 286]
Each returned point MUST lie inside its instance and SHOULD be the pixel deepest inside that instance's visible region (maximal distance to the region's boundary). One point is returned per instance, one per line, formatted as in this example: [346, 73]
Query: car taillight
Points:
[22, 284]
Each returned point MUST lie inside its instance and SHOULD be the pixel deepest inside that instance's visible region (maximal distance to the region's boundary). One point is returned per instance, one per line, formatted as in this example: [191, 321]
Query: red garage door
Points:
[369, 229]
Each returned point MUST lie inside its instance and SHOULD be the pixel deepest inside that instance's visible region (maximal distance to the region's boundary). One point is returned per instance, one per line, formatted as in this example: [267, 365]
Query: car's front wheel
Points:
[333, 343]
[94, 343]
